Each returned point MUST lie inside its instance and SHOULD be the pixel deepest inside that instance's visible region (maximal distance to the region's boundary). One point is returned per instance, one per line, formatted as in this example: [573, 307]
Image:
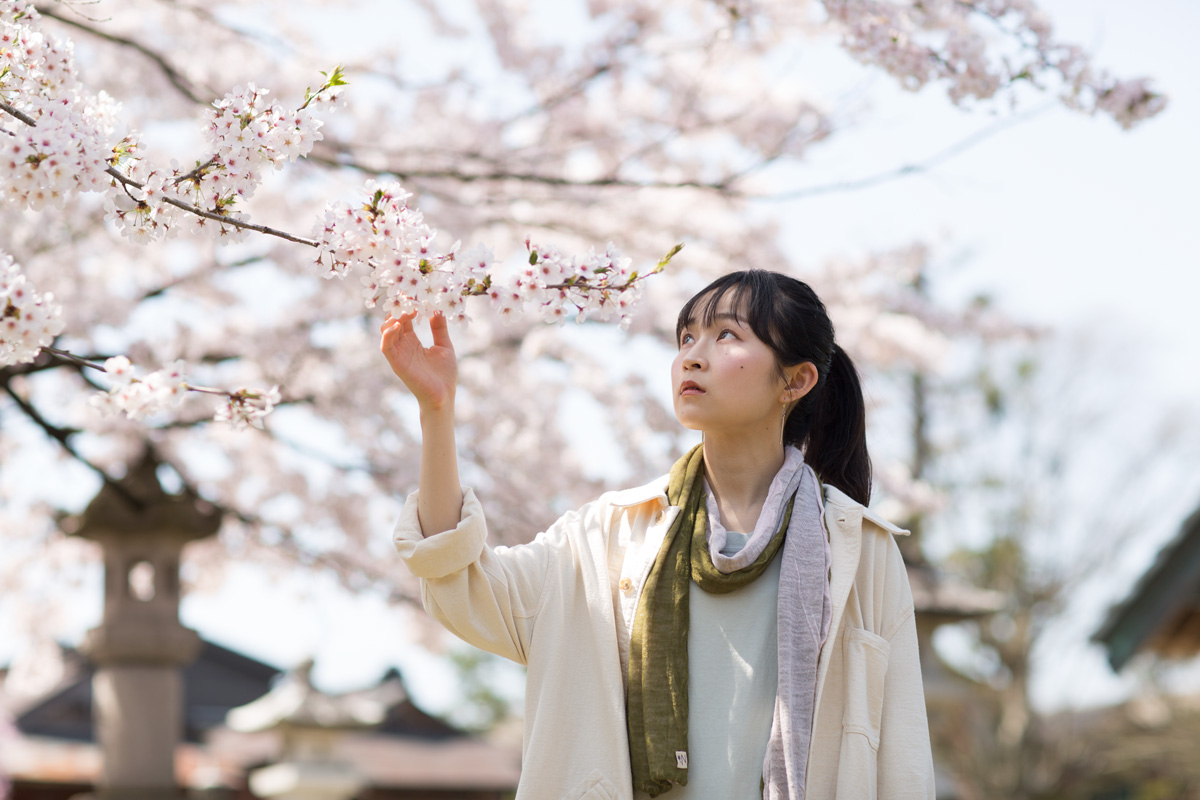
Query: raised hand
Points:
[430, 373]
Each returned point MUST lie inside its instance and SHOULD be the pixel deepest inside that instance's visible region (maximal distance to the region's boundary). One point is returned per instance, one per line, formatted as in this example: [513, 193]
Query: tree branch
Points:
[191, 209]
[63, 437]
[163, 288]
[188, 207]
[21, 115]
[342, 157]
[173, 75]
[508, 175]
[953, 150]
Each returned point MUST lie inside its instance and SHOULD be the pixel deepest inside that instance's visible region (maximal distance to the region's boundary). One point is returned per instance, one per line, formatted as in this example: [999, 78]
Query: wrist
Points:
[441, 411]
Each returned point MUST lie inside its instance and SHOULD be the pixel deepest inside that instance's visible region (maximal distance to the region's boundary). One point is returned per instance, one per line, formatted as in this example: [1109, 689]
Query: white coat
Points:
[563, 605]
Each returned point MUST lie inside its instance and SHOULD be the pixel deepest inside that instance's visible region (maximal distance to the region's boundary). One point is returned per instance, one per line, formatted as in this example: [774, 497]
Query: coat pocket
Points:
[866, 662]
[594, 787]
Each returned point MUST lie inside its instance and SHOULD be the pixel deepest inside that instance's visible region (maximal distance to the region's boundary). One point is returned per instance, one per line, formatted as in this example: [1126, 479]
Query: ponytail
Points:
[836, 442]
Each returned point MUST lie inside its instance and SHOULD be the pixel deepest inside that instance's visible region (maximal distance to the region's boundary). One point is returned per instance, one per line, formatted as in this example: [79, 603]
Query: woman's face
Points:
[725, 378]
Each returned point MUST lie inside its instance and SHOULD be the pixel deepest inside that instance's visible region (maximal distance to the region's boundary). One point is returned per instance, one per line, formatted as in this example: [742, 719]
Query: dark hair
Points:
[829, 424]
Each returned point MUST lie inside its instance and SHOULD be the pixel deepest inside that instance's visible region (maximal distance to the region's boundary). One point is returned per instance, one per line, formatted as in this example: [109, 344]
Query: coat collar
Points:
[843, 503]
[654, 491]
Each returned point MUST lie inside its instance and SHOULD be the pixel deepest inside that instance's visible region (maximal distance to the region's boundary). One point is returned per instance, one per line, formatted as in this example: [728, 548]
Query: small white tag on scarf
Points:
[681, 759]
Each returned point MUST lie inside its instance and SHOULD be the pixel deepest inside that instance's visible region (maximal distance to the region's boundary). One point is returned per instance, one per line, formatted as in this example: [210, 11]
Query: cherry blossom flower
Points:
[388, 239]
[247, 407]
[141, 397]
[29, 321]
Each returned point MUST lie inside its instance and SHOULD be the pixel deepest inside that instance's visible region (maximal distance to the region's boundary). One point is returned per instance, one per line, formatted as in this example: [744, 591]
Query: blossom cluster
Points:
[601, 284]
[248, 135]
[66, 149]
[28, 321]
[141, 397]
[247, 407]
[898, 37]
[59, 133]
[388, 239]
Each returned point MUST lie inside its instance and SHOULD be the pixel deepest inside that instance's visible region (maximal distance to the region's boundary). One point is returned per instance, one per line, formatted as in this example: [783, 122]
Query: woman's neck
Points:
[740, 472]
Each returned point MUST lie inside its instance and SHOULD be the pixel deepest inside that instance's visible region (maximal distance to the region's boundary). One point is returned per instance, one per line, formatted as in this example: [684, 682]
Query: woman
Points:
[740, 628]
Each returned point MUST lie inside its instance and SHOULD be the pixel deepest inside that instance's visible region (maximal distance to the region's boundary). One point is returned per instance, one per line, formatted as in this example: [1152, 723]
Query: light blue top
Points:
[733, 671]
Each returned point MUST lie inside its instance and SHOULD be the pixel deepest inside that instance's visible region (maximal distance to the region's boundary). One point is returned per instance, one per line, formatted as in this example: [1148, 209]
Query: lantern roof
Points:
[137, 507]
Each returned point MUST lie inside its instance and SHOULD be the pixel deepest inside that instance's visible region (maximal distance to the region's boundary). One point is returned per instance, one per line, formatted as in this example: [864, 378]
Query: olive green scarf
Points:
[657, 701]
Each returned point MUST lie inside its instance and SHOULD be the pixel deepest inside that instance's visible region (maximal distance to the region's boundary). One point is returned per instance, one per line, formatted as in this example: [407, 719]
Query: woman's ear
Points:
[802, 378]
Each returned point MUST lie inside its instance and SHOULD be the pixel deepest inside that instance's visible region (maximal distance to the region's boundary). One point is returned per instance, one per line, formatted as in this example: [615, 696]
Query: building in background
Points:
[1161, 615]
[405, 755]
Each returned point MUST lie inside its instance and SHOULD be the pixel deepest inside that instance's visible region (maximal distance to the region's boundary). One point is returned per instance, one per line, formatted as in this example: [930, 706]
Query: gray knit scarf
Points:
[803, 622]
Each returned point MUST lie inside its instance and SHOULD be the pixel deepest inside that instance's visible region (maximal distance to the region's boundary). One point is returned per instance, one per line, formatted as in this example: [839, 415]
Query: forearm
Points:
[439, 504]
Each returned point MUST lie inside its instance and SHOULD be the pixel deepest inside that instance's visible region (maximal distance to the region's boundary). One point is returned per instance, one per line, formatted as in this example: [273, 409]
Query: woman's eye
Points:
[726, 332]
[685, 339]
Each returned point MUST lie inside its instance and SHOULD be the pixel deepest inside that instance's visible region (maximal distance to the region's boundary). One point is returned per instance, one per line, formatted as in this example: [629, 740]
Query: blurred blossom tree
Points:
[166, 224]
[1044, 482]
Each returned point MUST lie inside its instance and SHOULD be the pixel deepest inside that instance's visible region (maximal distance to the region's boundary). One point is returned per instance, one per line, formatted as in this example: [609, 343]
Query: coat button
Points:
[660, 516]
[626, 585]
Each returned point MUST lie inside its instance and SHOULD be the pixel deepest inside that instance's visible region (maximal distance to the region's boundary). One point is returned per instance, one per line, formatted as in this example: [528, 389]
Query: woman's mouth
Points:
[690, 387]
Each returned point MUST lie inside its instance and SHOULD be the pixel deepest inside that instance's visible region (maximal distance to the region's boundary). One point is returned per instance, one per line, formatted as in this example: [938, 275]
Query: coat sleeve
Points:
[905, 760]
[488, 597]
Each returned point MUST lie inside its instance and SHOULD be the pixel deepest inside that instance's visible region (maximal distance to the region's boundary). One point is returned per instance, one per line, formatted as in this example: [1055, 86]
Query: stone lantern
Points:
[311, 724]
[140, 646]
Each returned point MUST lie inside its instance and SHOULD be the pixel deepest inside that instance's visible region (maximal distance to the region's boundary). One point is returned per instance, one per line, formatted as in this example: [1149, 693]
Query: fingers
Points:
[392, 327]
[395, 327]
[391, 321]
[440, 330]
[389, 333]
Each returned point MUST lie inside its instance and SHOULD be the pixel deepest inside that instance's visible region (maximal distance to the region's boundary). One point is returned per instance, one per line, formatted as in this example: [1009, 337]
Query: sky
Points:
[1065, 219]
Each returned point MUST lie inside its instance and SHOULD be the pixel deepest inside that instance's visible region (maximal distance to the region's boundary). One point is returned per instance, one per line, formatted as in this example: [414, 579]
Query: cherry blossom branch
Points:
[139, 397]
[886, 35]
[389, 240]
[221, 218]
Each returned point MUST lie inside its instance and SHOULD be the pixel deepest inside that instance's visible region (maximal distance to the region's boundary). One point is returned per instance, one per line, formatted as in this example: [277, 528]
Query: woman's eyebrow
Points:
[728, 315]
[720, 315]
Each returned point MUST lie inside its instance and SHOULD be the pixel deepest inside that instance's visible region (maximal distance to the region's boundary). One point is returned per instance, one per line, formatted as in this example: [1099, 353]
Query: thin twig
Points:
[191, 209]
[63, 437]
[908, 169]
[723, 186]
[523, 177]
[163, 288]
[197, 171]
[74, 359]
[173, 75]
